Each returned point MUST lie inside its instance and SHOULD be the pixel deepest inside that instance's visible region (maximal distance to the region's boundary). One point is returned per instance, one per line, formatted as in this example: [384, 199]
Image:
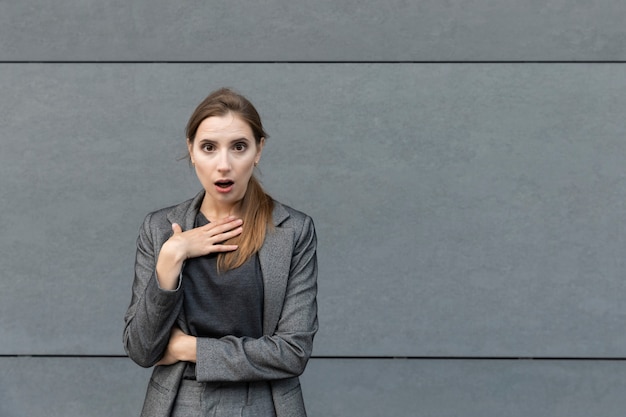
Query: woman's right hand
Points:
[192, 243]
[203, 240]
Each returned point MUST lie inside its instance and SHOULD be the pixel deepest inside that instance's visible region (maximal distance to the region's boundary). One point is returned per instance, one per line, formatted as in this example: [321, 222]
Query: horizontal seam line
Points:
[340, 357]
[310, 62]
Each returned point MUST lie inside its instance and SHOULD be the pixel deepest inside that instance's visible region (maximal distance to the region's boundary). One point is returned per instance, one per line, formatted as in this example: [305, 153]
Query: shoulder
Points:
[158, 215]
[158, 218]
[178, 213]
[159, 222]
[299, 222]
[289, 216]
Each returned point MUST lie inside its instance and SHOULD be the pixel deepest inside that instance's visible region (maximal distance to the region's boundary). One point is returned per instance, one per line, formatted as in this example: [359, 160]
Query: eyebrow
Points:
[208, 140]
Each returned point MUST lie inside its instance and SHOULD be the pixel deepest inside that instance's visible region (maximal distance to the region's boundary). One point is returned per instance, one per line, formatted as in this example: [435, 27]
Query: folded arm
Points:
[282, 354]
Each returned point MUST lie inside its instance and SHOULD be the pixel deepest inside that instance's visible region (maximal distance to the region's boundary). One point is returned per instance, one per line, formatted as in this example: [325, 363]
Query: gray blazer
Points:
[289, 266]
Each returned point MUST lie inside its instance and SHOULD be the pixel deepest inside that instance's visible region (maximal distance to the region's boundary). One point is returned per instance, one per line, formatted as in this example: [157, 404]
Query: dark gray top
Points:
[221, 304]
[226, 303]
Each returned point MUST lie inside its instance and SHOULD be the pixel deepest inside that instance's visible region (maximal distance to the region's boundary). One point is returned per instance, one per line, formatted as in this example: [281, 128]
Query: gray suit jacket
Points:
[289, 266]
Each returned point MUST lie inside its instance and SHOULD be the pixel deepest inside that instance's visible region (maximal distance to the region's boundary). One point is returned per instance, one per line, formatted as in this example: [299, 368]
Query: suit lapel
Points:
[275, 260]
[185, 213]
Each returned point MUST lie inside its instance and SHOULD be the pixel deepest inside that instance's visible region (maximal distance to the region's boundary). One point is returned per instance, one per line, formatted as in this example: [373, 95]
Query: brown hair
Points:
[256, 205]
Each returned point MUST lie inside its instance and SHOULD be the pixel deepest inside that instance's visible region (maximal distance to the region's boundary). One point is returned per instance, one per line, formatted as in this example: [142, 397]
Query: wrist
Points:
[172, 253]
[189, 351]
[168, 268]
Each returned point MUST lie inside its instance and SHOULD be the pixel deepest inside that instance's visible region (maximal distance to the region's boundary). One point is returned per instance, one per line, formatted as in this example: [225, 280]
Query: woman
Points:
[224, 295]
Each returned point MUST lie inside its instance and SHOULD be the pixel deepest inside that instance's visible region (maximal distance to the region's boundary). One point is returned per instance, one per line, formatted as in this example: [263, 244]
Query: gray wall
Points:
[463, 162]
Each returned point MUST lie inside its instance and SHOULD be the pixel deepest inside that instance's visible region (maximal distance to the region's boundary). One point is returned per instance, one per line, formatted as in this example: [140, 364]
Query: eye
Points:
[207, 147]
[240, 146]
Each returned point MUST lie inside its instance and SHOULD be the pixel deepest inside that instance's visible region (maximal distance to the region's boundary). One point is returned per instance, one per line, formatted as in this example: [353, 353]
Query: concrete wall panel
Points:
[99, 387]
[462, 210]
[279, 30]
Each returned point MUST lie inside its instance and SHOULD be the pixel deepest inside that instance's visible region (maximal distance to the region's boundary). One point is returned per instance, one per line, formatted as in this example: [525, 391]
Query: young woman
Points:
[224, 295]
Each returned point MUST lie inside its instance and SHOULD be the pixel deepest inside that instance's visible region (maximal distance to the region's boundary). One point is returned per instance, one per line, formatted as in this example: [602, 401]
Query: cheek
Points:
[246, 164]
[202, 171]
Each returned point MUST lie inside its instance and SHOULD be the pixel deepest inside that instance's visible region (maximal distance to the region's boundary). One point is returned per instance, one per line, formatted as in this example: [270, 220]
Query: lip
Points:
[224, 190]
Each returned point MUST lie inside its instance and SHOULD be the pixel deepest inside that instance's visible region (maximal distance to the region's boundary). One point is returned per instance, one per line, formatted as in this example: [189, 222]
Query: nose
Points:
[223, 162]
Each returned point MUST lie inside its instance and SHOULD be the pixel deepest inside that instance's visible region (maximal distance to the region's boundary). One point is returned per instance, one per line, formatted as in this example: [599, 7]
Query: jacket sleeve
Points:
[152, 311]
[284, 353]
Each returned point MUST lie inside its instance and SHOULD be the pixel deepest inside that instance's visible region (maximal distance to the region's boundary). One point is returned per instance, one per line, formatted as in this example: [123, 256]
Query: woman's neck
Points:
[214, 212]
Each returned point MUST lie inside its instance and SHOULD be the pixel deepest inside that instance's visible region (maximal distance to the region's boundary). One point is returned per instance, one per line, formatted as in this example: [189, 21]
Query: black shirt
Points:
[226, 303]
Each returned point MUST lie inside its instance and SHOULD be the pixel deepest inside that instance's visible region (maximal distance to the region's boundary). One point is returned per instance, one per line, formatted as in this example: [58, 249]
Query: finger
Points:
[176, 228]
[224, 248]
[225, 227]
[163, 361]
[224, 236]
[166, 360]
[225, 221]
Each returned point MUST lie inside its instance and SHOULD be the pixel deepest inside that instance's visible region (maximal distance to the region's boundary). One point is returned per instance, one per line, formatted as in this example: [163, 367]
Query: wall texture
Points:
[463, 162]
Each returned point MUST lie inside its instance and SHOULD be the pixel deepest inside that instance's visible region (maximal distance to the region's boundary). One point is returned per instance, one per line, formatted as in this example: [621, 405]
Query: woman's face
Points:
[224, 154]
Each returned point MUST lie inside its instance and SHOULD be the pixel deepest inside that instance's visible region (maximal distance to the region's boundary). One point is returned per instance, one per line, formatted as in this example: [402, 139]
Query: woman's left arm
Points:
[286, 352]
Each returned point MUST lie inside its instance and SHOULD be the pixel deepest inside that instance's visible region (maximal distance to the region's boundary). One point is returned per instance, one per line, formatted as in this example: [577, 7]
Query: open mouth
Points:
[224, 183]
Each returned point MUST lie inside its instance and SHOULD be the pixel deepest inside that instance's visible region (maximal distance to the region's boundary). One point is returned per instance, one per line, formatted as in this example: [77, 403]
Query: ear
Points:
[190, 149]
[259, 150]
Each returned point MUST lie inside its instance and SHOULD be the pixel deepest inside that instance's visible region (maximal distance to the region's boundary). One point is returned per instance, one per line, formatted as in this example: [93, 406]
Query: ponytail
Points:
[256, 213]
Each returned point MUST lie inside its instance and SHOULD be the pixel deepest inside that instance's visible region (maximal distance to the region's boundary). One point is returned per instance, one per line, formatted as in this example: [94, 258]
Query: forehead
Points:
[228, 126]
